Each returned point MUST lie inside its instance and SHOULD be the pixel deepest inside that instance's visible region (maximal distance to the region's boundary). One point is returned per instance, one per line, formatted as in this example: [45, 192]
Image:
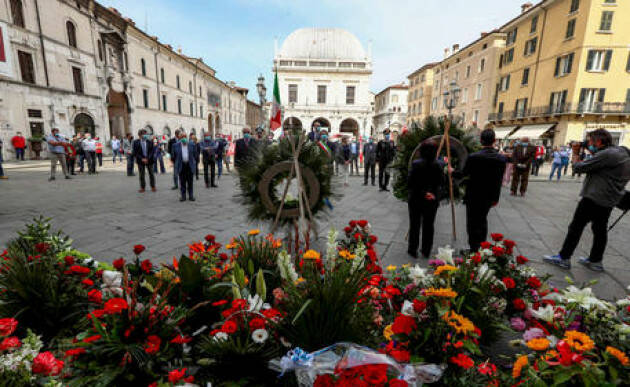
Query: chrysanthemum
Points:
[441, 292]
[443, 268]
[311, 254]
[518, 366]
[579, 341]
[622, 357]
[253, 232]
[538, 344]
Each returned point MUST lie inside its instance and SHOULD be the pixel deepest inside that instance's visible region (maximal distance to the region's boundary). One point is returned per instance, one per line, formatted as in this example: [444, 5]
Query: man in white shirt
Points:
[184, 160]
[116, 149]
[89, 148]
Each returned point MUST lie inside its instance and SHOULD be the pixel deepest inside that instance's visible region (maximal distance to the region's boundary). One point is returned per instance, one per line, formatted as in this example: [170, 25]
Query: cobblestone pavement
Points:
[106, 216]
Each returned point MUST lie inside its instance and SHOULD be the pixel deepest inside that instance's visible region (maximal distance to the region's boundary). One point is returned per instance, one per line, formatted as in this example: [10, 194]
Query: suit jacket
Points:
[369, 153]
[385, 152]
[524, 155]
[169, 147]
[209, 150]
[137, 151]
[177, 154]
[484, 172]
[424, 177]
[243, 150]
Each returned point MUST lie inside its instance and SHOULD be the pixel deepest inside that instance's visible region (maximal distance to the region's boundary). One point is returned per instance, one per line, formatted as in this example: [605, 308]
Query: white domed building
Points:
[324, 76]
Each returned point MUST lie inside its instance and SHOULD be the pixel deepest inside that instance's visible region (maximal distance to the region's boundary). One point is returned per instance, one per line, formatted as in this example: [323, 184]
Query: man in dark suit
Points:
[142, 152]
[171, 142]
[522, 158]
[243, 147]
[385, 152]
[483, 174]
[369, 160]
[209, 149]
[184, 152]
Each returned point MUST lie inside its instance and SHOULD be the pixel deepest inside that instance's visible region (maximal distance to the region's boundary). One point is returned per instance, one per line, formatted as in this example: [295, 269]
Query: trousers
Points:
[143, 169]
[186, 181]
[371, 167]
[58, 158]
[520, 175]
[477, 223]
[354, 164]
[129, 164]
[586, 212]
[383, 175]
[421, 217]
[208, 164]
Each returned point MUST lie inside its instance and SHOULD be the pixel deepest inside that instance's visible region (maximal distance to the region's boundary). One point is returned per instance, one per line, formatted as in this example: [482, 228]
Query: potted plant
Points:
[36, 145]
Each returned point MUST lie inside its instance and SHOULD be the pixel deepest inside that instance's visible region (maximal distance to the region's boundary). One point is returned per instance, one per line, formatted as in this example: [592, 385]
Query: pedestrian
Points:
[71, 155]
[19, 144]
[89, 149]
[564, 157]
[369, 160]
[127, 149]
[314, 134]
[243, 149]
[556, 164]
[223, 152]
[80, 151]
[143, 154]
[193, 140]
[385, 152]
[2, 176]
[57, 151]
[184, 153]
[424, 182]
[483, 174]
[346, 159]
[209, 149]
[538, 160]
[507, 151]
[115, 143]
[157, 157]
[522, 158]
[355, 149]
[99, 151]
[172, 142]
[607, 174]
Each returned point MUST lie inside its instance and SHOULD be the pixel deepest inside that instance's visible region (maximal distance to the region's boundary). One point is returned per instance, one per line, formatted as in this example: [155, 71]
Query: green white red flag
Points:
[276, 113]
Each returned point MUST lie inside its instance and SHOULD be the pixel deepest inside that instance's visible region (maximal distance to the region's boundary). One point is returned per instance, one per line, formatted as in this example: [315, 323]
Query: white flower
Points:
[485, 272]
[331, 247]
[553, 340]
[286, 267]
[585, 298]
[256, 303]
[260, 336]
[417, 274]
[445, 254]
[545, 314]
[112, 282]
[623, 302]
[220, 336]
[407, 308]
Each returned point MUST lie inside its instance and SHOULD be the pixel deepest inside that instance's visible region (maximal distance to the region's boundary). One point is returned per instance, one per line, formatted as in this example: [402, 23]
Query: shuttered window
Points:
[26, 67]
[77, 78]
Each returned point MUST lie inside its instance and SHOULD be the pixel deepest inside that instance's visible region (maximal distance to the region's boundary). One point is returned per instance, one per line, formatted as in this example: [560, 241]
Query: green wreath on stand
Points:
[263, 178]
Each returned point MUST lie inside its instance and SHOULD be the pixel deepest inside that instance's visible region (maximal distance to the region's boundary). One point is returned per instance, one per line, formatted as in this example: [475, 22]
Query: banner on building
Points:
[6, 64]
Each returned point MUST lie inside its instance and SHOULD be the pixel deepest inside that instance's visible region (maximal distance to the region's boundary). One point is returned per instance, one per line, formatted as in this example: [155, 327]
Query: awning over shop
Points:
[533, 131]
[502, 132]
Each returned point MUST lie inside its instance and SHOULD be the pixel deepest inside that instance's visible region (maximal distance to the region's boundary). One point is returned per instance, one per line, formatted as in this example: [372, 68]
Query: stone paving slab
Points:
[106, 216]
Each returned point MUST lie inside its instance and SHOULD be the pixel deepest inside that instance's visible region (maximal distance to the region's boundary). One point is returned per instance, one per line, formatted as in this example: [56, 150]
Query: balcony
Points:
[601, 108]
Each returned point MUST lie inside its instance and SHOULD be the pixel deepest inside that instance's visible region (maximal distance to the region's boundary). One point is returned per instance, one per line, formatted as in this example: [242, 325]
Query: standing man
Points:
[522, 158]
[243, 148]
[385, 152]
[354, 157]
[157, 157]
[143, 154]
[116, 149]
[19, 144]
[607, 174]
[184, 153]
[484, 172]
[314, 134]
[369, 160]
[57, 153]
[89, 148]
[80, 151]
[71, 156]
[209, 149]
[172, 142]
[127, 148]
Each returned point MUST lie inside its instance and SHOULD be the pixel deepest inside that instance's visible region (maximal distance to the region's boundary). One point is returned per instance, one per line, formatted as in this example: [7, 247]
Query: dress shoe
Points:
[182, 199]
[51, 178]
[141, 190]
[68, 177]
[214, 186]
[192, 199]
[364, 183]
[174, 188]
[153, 189]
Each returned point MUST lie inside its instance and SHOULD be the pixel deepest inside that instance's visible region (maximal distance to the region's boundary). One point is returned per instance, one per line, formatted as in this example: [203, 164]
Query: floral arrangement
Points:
[200, 318]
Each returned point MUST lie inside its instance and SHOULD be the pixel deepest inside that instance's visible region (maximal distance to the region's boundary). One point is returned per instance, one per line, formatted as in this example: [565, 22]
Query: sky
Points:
[236, 37]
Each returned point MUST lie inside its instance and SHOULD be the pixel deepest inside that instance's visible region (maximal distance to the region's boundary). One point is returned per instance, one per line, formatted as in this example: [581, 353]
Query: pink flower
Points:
[533, 333]
[518, 324]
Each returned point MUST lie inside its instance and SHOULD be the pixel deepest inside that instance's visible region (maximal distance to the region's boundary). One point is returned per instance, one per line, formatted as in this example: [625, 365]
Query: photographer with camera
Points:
[607, 174]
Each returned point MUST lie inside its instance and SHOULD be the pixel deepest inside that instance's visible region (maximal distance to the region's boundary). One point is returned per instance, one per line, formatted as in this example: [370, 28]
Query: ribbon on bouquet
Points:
[294, 359]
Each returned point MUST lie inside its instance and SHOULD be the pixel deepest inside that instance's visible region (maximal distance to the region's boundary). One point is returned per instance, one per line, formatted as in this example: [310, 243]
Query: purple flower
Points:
[436, 262]
[574, 326]
[409, 288]
[533, 333]
[518, 324]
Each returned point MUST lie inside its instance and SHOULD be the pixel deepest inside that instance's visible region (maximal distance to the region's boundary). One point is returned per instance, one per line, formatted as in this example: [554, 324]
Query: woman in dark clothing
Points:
[424, 183]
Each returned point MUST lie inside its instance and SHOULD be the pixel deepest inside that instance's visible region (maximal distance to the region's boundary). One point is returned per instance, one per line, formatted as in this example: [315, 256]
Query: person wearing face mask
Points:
[209, 149]
[144, 156]
[185, 162]
[243, 147]
[314, 135]
[522, 158]
[607, 174]
[89, 149]
[157, 157]
[385, 152]
[57, 153]
[369, 160]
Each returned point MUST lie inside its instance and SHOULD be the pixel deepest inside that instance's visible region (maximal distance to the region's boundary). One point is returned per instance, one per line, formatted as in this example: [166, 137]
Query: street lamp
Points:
[451, 97]
[262, 93]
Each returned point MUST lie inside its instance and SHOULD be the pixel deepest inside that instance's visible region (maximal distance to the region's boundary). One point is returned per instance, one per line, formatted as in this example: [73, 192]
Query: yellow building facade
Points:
[420, 93]
[564, 71]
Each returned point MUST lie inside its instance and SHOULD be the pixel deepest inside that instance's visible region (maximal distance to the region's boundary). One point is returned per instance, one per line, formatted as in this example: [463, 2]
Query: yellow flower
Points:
[232, 245]
[538, 344]
[388, 332]
[443, 268]
[551, 354]
[405, 266]
[253, 232]
[346, 254]
[623, 359]
[311, 254]
[299, 281]
[458, 322]
[441, 292]
[579, 341]
[518, 366]
[391, 268]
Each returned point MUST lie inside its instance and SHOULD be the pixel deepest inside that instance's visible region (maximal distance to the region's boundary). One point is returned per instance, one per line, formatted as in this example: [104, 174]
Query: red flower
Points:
[375, 375]
[486, 245]
[119, 263]
[476, 258]
[391, 291]
[209, 238]
[95, 296]
[239, 304]
[398, 383]
[46, 364]
[7, 326]
[519, 304]
[69, 260]
[176, 375]
[373, 239]
[115, 305]
[462, 360]
[146, 266]
[80, 270]
[357, 236]
[521, 260]
[219, 303]
[400, 355]
[74, 352]
[353, 223]
[152, 345]
[458, 344]
[362, 223]
[42, 247]
[324, 381]
[496, 237]
[92, 339]
[509, 244]
[487, 369]
[87, 282]
[419, 306]
[229, 327]
[347, 229]
[138, 249]
[10, 342]
[403, 324]
[257, 323]
[179, 339]
[534, 282]
[498, 251]
[509, 283]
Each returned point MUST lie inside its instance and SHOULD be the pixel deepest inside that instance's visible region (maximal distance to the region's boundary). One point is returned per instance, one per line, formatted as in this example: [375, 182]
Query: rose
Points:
[229, 327]
[69, 260]
[521, 260]
[115, 306]
[518, 324]
[119, 263]
[485, 245]
[10, 342]
[509, 244]
[138, 249]
[476, 258]
[80, 270]
[375, 375]
[95, 296]
[209, 238]
[46, 364]
[498, 251]
[496, 237]
[534, 282]
[419, 306]
[509, 283]
[257, 323]
[176, 375]
[7, 326]
[42, 247]
[152, 345]
[362, 223]
[403, 325]
[146, 266]
[87, 282]
[347, 229]
[518, 304]
[398, 383]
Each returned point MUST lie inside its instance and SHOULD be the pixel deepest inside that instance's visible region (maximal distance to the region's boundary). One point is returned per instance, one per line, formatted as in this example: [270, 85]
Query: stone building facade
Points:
[391, 109]
[420, 92]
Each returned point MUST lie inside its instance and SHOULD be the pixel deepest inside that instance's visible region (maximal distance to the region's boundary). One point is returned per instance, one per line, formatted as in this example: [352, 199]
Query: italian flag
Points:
[276, 114]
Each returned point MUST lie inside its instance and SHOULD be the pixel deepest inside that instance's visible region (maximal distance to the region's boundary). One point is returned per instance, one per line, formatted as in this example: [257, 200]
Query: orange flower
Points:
[538, 344]
[443, 268]
[253, 232]
[311, 254]
[458, 322]
[623, 359]
[346, 254]
[441, 292]
[518, 366]
[579, 341]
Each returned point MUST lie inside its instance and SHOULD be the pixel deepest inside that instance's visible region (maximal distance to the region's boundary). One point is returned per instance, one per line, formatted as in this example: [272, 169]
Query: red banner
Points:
[3, 57]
